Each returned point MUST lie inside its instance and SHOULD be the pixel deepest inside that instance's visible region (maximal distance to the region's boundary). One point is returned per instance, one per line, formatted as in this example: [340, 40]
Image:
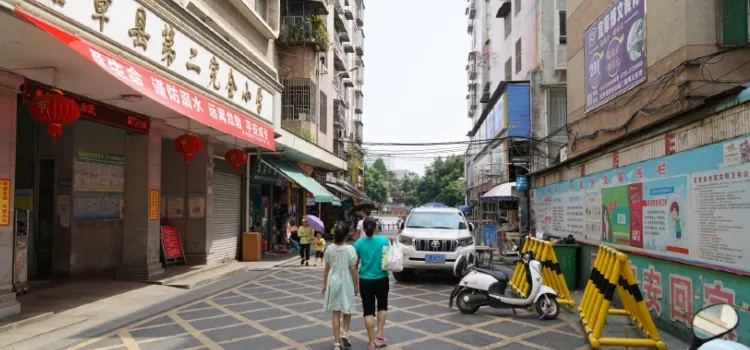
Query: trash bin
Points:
[567, 258]
[251, 246]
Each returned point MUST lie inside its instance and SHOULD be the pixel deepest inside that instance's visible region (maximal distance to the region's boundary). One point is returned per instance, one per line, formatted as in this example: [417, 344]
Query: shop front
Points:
[110, 143]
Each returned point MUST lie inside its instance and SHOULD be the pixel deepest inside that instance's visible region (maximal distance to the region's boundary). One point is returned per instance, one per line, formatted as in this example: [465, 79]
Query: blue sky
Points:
[415, 79]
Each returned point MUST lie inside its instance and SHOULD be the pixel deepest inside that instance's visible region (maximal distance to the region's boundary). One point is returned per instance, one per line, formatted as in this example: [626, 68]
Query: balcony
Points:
[470, 27]
[339, 113]
[339, 149]
[360, 15]
[348, 48]
[358, 98]
[471, 10]
[359, 41]
[298, 108]
[339, 21]
[358, 132]
[348, 82]
[339, 56]
[305, 31]
[359, 74]
[348, 10]
[471, 68]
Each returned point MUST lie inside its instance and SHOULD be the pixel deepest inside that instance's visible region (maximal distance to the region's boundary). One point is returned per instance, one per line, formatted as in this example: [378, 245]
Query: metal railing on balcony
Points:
[359, 74]
[339, 113]
[472, 69]
[359, 41]
[348, 10]
[339, 61]
[304, 30]
[339, 149]
[358, 103]
[471, 10]
[358, 132]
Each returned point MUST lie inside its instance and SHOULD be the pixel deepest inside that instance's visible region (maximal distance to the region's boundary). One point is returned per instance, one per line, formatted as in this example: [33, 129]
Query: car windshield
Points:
[439, 220]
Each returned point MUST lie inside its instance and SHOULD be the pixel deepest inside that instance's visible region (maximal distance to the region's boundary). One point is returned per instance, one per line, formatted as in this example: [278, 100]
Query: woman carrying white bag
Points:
[393, 257]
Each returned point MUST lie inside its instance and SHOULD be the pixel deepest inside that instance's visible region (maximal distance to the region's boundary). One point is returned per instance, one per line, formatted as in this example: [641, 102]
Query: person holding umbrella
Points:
[305, 234]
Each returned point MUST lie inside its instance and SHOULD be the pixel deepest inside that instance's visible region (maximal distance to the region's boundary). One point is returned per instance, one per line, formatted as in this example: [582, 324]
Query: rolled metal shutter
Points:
[226, 225]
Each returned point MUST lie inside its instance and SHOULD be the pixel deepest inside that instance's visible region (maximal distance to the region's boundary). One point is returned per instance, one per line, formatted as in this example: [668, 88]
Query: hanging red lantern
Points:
[236, 157]
[188, 144]
[55, 110]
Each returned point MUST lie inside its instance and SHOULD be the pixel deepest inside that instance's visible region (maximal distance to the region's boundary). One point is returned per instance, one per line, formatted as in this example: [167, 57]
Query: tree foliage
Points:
[442, 182]
[377, 184]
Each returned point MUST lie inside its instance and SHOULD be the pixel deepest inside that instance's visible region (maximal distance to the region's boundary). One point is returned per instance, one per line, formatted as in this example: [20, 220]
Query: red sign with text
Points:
[167, 93]
[171, 240]
[636, 215]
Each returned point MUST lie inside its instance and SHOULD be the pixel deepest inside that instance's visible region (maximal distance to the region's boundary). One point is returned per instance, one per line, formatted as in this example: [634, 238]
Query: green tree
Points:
[442, 182]
[377, 184]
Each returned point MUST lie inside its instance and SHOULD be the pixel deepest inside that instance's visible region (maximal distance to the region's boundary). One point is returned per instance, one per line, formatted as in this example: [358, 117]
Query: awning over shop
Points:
[341, 190]
[213, 114]
[294, 174]
[502, 192]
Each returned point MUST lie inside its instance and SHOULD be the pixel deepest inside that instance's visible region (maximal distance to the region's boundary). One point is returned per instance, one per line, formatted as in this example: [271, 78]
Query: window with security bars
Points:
[557, 111]
[323, 113]
[518, 55]
[562, 27]
[298, 100]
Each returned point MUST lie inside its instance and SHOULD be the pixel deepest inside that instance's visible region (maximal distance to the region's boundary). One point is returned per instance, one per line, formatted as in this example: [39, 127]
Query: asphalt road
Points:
[284, 310]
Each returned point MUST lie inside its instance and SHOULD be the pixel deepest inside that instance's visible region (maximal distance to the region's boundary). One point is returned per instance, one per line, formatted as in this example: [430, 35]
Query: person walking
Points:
[360, 227]
[373, 282]
[340, 284]
[305, 237]
[320, 246]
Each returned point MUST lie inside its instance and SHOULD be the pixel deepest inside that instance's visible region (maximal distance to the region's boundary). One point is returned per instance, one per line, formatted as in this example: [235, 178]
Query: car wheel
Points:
[404, 275]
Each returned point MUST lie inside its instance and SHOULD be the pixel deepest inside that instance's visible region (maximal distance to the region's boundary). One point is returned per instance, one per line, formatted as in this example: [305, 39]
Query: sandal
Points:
[345, 340]
[381, 342]
[336, 346]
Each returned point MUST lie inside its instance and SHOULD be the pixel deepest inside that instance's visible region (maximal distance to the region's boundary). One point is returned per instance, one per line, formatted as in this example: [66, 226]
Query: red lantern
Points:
[236, 157]
[188, 144]
[55, 110]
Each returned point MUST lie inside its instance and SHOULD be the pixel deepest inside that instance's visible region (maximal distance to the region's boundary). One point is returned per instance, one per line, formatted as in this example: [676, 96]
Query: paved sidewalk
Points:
[283, 310]
[73, 312]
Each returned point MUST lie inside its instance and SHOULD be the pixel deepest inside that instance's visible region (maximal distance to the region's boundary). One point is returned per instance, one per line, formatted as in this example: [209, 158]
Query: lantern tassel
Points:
[54, 130]
[188, 158]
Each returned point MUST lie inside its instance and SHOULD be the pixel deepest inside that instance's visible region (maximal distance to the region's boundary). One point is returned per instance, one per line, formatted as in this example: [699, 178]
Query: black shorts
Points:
[372, 291]
[319, 254]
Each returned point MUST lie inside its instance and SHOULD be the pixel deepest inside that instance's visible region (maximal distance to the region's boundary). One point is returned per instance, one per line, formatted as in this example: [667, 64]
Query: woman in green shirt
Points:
[305, 237]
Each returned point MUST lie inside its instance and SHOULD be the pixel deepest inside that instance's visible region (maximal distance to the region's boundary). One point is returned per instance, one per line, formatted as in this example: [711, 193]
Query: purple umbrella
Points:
[315, 223]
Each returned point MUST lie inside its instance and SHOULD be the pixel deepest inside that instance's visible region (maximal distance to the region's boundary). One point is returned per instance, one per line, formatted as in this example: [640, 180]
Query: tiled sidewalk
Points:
[283, 310]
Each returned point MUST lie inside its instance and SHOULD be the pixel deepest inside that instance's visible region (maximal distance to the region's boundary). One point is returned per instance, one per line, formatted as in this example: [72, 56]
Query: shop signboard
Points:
[264, 174]
[615, 52]
[145, 34]
[674, 207]
[92, 110]
[154, 201]
[522, 183]
[171, 244]
[5, 208]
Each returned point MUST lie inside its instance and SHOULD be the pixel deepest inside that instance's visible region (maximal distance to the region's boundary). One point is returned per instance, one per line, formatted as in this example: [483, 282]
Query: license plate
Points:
[434, 258]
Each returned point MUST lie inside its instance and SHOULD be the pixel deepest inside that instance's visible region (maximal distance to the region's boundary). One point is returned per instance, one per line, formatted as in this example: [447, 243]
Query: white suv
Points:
[433, 239]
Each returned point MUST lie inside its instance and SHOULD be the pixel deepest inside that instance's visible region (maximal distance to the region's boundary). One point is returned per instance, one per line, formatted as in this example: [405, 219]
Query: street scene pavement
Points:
[284, 310]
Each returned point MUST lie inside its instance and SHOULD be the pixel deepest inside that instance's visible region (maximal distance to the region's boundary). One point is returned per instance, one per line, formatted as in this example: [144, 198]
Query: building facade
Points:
[657, 140]
[516, 97]
[168, 142]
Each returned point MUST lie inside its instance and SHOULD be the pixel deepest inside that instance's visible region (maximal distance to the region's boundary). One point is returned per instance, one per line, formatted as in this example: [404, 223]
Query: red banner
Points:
[166, 92]
[171, 240]
[636, 215]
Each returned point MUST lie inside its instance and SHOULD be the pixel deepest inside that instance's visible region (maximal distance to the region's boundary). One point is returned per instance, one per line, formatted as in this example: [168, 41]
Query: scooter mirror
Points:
[714, 321]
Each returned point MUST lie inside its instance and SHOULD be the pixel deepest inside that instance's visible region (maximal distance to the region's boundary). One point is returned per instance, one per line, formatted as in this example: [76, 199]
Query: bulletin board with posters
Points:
[689, 211]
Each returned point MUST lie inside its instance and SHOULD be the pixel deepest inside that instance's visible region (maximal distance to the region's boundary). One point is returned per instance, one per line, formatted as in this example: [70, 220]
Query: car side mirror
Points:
[714, 322]
[471, 227]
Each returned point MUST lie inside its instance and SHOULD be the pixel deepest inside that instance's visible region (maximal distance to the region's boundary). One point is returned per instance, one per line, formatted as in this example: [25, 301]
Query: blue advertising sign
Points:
[615, 52]
[490, 235]
[518, 109]
[522, 183]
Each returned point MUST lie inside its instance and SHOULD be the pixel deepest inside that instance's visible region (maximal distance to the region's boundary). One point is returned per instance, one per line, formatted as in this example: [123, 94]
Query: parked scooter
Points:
[480, 287]
[712, 323]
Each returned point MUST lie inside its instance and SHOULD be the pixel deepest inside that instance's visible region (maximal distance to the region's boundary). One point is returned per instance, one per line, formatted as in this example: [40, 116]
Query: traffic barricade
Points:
[551, 274]
[611, 272]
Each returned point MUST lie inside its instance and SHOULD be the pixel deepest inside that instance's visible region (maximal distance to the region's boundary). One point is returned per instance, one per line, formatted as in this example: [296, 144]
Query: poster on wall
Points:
[615, 52]
[98, 172]
[97, 206]
[175, 206]
[197, 206]
[694, 212]
[5, 209]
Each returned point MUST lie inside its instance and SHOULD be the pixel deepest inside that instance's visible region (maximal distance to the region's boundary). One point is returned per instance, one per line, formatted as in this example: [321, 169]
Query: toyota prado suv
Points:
[432, 239]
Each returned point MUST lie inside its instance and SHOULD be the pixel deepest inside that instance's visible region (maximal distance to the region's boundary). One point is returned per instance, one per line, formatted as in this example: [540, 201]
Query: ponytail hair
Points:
[369, 226]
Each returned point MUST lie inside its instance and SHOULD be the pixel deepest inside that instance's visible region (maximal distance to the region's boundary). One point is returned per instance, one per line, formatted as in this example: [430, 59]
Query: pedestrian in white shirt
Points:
[360, 224]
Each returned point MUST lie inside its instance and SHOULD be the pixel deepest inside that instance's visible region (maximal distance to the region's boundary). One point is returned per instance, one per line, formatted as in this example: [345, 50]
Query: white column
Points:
[141, 237]
[10, 84]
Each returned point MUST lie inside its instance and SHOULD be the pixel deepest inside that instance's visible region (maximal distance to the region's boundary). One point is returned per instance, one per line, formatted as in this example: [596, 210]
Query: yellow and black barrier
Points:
[611, 272]
[551, 274]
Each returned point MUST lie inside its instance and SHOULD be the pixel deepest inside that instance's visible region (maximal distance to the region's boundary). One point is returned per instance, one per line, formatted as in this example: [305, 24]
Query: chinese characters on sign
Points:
[186, 102]
[154, 200]
[178, 53]
[264, 174]
[5, 209]
[615, 52]
[170, 239]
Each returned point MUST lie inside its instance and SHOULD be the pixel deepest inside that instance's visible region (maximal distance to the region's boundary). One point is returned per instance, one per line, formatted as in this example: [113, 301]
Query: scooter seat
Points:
[497, 274]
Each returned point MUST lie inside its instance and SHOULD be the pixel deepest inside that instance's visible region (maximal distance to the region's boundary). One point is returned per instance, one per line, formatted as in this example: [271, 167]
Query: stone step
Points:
[201, 277]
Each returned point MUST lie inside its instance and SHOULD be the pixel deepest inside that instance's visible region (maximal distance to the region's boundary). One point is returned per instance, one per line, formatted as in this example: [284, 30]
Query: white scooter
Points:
[480, 287]
[712, 323]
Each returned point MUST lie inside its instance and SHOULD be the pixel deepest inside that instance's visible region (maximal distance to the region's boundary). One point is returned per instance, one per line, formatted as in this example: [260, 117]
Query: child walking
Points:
[340, 284]
[320, 246]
